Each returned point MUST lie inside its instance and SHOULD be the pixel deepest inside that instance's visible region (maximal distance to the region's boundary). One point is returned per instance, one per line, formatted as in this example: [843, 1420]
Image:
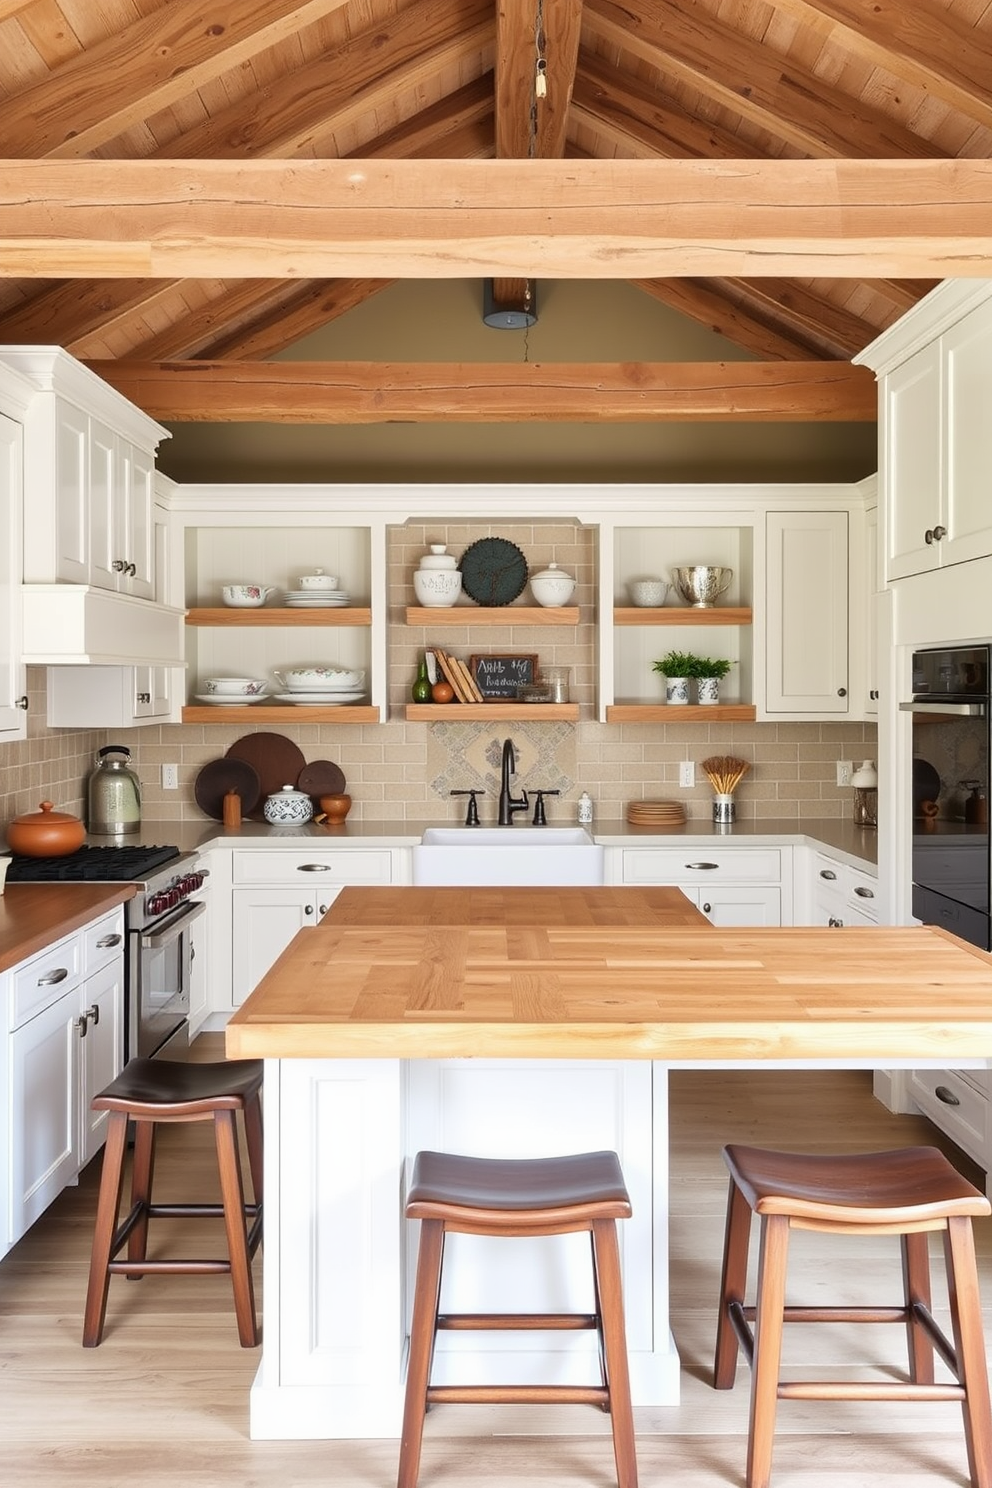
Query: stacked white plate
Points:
[315, 599]
[329, 697]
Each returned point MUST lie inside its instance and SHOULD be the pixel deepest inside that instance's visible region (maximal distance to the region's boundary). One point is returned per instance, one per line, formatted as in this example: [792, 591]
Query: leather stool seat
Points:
[450, 1193]
[148, 1092]
[908, 1192]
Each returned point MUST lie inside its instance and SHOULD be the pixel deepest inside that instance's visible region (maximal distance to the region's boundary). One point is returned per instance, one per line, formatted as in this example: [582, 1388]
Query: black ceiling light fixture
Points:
[509, 304]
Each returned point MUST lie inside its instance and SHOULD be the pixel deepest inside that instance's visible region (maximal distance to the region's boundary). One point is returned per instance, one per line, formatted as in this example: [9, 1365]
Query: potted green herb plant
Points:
[677, 669]
[708, 673]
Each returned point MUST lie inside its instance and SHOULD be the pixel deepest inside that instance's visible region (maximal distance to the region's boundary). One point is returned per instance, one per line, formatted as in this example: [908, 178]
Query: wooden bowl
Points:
[335, 808]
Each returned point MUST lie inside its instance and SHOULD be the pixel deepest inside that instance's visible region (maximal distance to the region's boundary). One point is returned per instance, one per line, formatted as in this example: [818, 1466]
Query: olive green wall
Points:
[441, 320]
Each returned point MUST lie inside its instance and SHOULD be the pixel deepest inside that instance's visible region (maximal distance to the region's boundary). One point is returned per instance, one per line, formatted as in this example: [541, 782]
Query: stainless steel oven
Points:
[157, 922]
[951, 863]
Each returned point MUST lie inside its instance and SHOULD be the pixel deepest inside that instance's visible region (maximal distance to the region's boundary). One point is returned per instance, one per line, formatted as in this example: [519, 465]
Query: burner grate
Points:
[91, 865]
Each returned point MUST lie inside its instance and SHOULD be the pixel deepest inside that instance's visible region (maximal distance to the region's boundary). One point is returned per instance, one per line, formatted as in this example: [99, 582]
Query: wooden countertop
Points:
[603, 988]
[35, 915]
[498, 906]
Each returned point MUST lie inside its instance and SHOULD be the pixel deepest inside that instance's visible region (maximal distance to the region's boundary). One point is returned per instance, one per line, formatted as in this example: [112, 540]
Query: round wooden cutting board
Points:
[276, 759]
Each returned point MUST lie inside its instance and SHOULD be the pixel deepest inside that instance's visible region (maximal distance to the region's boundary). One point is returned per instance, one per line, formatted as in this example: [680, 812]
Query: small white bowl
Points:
[648, 592]
[235, 686]
[318, 580]
[245, 596]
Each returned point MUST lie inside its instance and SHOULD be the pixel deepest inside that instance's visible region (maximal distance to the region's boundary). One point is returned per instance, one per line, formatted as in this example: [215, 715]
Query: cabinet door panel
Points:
[103, 481]
[13, 718]
[43, 1111]
[72, 478]
[807, 613]
[967, 352]
[912, 458]
[739, 905]
[136, 532]
[101, 1051]
[265, 921]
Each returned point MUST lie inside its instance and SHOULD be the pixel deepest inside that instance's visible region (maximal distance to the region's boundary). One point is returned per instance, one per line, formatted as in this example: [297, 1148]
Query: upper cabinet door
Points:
[806, 615]
[967, 510]
[13, 700]
[71, 525]
[912, 458]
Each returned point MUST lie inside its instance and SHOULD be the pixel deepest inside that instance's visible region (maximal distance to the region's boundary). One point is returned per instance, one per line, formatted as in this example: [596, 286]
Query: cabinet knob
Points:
[82, 1024]
[707, 908]
[118, 565]
[22, 702]
[842, 692]
[308, 909]
[144, 697]
[938, 533]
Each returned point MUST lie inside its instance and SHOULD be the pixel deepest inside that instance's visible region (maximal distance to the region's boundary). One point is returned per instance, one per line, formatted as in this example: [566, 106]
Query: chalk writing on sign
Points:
[500, 676]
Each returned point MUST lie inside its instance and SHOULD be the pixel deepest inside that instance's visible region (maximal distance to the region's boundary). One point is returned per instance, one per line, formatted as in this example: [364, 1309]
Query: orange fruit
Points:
[442, 692]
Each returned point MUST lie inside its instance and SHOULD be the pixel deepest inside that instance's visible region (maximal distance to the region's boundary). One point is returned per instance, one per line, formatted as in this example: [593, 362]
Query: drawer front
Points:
[845, 892]
[702, 865]
[103, 942]
[955, 1106]
[44, 979]
[303, 869]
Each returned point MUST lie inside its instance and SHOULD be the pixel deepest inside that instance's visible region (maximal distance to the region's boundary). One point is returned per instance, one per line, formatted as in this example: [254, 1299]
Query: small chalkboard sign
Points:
[500, 676]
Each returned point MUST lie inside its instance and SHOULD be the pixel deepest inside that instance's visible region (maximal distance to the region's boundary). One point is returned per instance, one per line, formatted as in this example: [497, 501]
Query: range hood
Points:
[79, 625]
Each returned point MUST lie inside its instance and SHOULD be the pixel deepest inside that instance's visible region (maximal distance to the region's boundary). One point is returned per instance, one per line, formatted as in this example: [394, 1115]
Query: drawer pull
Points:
[947, 1096]
[81, 1026]
[93, 1014]
[308, 909]
[863, 893]
[313, 868]
[702, 865]
[827, 873]
[107, 941]
[52, 978]
[834, 924]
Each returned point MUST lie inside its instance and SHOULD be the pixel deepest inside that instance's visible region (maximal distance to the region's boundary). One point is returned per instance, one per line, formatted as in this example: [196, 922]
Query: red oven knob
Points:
[155, 904]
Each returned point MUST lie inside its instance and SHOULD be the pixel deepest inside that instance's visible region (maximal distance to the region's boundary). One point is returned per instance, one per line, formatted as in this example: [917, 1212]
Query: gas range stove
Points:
[164, 875]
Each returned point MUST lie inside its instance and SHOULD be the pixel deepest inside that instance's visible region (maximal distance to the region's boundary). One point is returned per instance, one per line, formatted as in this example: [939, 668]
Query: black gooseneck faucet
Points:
[508, 803]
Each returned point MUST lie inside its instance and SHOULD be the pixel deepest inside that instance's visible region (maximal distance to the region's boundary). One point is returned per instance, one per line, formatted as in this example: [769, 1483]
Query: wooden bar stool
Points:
[907, 1193]
[148, 1092]
[515, 1197]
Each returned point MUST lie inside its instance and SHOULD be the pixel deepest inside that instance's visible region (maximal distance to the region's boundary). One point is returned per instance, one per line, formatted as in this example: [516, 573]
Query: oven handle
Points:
[954, 710]
[174, 929]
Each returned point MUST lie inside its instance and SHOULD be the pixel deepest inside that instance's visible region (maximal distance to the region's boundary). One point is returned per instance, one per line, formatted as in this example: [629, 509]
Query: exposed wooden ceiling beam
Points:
[470, 392]
[642, 120]
[342, 87]
[412, 219]
[64, 314]
[164, 56]
[828, 326]
[527, 123]
[929, 47]
[750, 79]
[707, 304]
[9, 8]
[458, 127]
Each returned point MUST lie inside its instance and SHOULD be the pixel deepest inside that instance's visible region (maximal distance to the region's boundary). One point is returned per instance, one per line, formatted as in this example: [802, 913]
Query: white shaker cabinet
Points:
[13, 696]
[807, 642]
[935, 369]
[731, 884]
[64, 1010]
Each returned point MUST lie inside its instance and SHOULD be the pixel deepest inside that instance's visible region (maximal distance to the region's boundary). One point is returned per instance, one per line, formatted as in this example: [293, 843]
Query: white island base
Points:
[339, 1258]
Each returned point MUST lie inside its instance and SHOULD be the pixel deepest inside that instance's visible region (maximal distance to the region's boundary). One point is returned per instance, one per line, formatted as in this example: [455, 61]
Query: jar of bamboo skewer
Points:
[724, 773]
[723, 807]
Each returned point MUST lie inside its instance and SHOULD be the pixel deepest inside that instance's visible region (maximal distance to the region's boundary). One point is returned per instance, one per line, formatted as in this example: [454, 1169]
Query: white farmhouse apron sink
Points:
[509, 856]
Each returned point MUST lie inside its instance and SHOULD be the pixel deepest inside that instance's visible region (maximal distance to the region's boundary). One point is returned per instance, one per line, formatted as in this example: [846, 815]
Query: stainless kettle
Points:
[114, 794]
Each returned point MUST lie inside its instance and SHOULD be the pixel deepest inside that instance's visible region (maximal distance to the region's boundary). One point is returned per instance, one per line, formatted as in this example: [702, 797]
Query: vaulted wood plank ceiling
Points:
[457, 80]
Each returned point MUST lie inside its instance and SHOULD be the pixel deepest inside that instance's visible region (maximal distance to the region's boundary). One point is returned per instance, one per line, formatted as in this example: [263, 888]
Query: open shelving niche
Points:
[227, 641]
[633, 638]
[481, 615]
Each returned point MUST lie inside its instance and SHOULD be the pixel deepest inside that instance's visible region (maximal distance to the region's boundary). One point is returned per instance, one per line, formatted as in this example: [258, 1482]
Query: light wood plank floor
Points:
[163, 1402]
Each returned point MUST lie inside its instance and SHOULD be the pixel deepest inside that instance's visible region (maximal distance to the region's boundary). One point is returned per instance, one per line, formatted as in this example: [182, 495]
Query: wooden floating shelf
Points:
[261, 715]
[479, 712]
[680, 713]
[301, 615]
[492, 615]
[649, 615]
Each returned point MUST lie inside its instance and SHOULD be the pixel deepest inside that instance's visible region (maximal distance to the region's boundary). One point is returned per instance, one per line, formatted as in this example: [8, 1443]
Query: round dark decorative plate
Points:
[494, 571]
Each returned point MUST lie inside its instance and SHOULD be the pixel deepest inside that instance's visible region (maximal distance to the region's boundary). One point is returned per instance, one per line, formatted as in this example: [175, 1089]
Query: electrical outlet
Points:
[687, 773]
[844, 771]
[170, 777]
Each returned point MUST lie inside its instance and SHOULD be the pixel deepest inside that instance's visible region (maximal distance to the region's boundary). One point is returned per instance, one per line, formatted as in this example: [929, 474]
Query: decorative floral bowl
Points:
[245, 596]
[318, 679]
[235, 686]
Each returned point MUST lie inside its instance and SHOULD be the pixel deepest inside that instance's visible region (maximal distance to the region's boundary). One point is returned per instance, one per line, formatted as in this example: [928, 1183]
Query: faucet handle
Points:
[540, 819]
[472, 814]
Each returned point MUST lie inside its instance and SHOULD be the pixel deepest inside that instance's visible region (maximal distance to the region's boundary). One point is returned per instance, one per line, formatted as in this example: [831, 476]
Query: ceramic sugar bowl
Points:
[437, 583]
[552, 586]
[288, 807]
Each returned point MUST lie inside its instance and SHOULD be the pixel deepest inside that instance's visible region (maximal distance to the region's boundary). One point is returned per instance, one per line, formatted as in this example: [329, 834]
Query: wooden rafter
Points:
[642, 120]
[342, 86]
[165, 57]
[528, 124]
[751, 80]
[374, 393]
[567, 219]
[270, 326]
[708, 305]
[931, 49]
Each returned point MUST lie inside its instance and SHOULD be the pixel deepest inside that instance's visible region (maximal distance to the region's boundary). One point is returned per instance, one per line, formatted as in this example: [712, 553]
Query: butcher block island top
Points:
[608, 974]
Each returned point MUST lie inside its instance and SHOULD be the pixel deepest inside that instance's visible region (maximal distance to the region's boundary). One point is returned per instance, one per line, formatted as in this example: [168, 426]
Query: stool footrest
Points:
[515, 1322]
[178, 1267]
[866, 1390]
[518, 1395]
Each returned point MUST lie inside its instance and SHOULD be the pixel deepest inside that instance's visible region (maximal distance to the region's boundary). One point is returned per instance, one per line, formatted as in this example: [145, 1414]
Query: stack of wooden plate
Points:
[656, 813]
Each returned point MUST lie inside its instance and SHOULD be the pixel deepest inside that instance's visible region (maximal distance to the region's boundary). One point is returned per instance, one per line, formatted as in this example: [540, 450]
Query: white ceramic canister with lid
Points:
[288, 807]
[552, 586]
[437, 583]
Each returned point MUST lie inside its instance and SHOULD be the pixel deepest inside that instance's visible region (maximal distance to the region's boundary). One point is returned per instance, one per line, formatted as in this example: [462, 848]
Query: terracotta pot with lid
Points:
[45, 833]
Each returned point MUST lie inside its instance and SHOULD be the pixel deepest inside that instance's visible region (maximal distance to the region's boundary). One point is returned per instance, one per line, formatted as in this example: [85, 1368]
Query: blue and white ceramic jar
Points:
[288, 807]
